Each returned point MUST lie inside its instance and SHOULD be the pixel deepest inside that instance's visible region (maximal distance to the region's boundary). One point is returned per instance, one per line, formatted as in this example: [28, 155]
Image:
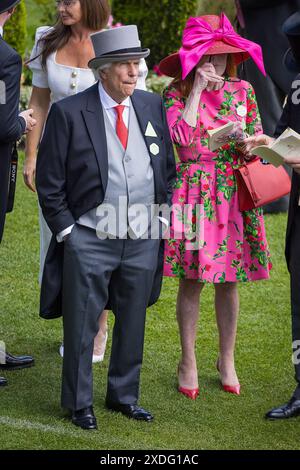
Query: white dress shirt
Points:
[109, 104]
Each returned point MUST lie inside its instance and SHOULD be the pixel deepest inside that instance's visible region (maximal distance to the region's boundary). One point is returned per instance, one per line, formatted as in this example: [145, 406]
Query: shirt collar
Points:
[107, 101]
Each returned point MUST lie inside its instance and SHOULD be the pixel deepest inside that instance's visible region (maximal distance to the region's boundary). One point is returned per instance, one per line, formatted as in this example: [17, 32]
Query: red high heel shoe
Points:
[191, 393]
[235, 389]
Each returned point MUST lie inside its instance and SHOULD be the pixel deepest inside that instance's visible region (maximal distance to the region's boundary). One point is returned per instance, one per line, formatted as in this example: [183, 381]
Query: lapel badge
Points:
[150, 132]
[154, 149]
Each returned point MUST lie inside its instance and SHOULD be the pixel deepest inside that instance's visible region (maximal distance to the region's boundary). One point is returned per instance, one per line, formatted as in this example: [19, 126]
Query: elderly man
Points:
[290, 118]
[12, 126]
[104, 151]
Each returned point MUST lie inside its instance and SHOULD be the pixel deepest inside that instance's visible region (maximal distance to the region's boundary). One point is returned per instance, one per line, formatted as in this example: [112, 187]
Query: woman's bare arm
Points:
[39, 102]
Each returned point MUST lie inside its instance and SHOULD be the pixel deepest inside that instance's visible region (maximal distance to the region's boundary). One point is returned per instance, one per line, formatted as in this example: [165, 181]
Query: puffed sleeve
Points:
[143, 72]
[253, 120]
[39, 76]
[182, 134]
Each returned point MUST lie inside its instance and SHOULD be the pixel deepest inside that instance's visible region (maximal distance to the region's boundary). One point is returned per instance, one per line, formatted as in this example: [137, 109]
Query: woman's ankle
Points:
[188, 373]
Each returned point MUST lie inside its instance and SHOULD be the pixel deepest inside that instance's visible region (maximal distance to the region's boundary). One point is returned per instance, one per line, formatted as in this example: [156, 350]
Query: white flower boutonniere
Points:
[241, 111]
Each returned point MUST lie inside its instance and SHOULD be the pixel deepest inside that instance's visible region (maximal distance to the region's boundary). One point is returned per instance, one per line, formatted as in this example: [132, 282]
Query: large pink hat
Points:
[210, 35]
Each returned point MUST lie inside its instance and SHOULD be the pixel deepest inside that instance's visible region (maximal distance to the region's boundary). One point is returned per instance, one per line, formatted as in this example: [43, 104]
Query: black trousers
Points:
[294, 267]
[95, 270]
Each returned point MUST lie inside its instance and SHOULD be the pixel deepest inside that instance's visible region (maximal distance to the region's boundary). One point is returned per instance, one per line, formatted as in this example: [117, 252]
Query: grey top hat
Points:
[115, 45]
[5, 5]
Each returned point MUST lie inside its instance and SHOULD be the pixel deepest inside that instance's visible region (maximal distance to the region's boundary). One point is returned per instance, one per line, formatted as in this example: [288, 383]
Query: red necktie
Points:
[121, 129]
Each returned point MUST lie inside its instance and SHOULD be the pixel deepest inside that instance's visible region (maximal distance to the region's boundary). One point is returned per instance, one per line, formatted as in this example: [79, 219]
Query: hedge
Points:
[160, 22]
[215, 7]
[15, 32]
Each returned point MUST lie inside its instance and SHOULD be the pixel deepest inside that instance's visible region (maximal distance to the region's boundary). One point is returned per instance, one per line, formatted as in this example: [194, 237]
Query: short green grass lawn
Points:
[31, 417]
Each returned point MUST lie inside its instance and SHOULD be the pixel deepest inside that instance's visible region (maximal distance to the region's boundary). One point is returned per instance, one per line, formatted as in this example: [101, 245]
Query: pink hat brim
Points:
[171, 64]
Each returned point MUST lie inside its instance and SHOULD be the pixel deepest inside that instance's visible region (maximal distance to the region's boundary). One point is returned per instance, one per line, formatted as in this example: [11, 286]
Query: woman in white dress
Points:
[59, 64]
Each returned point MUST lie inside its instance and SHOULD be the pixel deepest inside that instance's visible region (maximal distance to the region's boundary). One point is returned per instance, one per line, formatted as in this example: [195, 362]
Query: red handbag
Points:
[259, 184]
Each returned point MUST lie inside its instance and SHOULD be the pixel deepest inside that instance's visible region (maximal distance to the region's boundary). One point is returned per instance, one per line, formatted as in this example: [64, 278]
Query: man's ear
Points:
[102, 74]
[10, 12]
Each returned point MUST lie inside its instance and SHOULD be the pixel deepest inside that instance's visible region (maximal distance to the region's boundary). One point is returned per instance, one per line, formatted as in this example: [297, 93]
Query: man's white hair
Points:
[98, 70]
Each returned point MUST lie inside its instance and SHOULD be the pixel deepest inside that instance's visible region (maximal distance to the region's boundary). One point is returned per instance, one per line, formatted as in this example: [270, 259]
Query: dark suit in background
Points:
[263, 24]
[11, 125]
[291, 118]
[263, 20]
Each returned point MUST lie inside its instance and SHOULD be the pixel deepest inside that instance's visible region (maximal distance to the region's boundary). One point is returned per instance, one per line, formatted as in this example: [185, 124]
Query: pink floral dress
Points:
[232, 246]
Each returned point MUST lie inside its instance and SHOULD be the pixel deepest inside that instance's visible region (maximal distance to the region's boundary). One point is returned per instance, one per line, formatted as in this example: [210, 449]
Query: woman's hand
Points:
[247, 145]
[206, 78]
[294, 163]
[29, 173]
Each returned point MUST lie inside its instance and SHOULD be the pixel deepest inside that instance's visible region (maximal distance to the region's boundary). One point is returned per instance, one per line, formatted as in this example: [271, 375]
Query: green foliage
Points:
[48, 11]
[40, 13]
[15, 29]
[36, 16]
[207, 7]
[25, 94]
[160, 22]
[157, 84]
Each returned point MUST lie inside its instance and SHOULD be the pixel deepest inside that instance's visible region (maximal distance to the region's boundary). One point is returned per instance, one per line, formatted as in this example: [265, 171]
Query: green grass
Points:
[31, 417]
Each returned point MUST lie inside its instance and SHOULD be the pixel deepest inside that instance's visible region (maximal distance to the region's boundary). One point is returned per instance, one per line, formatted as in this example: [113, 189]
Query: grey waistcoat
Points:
[130, 182]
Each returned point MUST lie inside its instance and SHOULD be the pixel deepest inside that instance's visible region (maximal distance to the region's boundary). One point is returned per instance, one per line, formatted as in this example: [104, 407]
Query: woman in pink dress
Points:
[211, 241]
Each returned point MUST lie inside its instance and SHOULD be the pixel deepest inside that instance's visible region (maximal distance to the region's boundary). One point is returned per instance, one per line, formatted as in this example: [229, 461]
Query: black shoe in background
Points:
[16, 362]
[289, 410]
[3, 382]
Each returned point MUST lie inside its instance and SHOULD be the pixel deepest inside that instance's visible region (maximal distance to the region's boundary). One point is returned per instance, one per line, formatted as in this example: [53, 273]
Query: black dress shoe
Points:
[131, 411]
[3, 382]
[85, 418]
[16, 362]
[289, 410]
